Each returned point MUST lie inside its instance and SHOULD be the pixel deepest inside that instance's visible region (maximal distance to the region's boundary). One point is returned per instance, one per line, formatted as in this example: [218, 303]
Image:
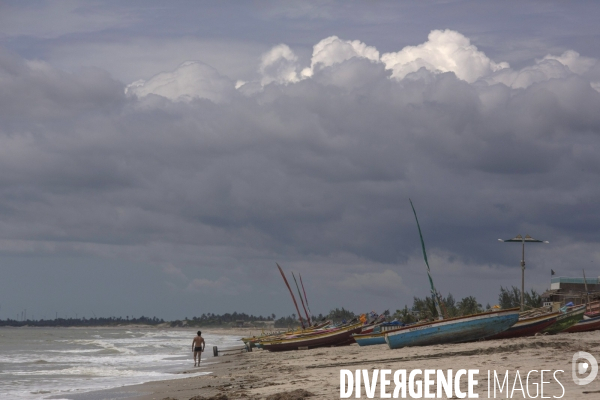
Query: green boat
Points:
[566, 320]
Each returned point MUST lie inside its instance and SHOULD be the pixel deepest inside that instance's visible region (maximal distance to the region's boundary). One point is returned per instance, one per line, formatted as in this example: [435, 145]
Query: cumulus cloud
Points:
[444, 51]
[543, 70]
[572, 59]
[333, 50]
[191, 80]
[279, 65]
[549, 67]
[304, 170]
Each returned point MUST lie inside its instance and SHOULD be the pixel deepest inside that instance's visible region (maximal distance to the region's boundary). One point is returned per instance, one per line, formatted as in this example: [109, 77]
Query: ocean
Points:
[41, 363]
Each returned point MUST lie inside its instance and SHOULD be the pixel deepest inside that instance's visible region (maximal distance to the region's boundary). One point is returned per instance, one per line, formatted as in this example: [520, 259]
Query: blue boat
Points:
[377, 336]
[453, 330]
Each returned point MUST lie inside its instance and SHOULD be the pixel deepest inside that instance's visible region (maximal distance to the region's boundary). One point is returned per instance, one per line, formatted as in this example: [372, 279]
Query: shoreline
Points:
[210, 365]
[220, 330]
[260, 374]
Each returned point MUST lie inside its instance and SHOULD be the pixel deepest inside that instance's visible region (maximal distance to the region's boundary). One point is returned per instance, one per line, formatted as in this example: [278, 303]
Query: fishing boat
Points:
[454, 330]
[527, 326]
[376, 335]
[371, 326]
[252, 341]
[593, 309]
[334, 337]
[585, 325]
[566, 320]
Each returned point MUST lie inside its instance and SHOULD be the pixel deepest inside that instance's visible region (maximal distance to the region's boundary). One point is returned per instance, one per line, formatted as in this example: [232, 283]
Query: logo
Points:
[582, 367]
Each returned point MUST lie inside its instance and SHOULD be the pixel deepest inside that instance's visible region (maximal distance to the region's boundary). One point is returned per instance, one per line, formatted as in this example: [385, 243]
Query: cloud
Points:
[220, 286]
[543, 70]
[444, 51]
[384, 283]
[279, 65]
[572, 59]
[175, 272]
[191, 80]
[303, 170]
[333, 50]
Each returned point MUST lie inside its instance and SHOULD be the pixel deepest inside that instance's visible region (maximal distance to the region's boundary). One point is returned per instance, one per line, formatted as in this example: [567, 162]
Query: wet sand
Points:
[263, 375]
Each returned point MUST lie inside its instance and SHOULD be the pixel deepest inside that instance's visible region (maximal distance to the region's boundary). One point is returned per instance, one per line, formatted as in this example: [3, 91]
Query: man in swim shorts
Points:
[198, 347]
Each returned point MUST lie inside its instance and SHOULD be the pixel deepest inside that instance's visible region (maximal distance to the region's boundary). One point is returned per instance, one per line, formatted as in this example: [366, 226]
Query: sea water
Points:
[39, 363]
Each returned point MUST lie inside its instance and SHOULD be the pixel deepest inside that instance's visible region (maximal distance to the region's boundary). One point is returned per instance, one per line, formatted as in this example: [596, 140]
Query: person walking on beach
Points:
[198, 347]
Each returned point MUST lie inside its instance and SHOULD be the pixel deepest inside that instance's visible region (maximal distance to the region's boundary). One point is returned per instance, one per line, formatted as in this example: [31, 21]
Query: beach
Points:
[70, 362]
[264, 375]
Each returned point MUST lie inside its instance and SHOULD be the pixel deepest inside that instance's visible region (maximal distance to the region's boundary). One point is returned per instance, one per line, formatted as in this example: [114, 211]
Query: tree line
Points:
[422, 308]
[73, 322]
[425, 308]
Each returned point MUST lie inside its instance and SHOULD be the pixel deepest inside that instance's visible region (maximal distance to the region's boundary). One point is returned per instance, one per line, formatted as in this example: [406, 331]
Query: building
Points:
[564, 290]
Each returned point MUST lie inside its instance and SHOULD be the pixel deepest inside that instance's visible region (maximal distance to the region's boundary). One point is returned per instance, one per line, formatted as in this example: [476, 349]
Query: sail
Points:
[433, 291]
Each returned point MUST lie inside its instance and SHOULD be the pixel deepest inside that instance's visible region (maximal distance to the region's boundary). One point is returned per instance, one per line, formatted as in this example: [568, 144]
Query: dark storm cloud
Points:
[197, 188]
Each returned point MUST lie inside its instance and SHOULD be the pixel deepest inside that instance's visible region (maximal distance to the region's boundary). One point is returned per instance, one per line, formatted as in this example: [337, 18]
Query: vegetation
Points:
[340, 315]
[425, 308]
[421, 309]
[66, 322]
[509, 298]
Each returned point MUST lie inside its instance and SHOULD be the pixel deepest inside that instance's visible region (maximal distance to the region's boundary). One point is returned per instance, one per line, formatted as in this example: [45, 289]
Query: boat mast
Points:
[305, 298]
[586, 291]
[433, 291]
[293, 298]
[301, 300]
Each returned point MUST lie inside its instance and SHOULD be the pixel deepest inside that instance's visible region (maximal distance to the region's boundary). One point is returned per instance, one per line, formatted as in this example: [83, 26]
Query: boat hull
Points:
[370, 339]
[455, 330]
[565, 321]
[585, 325]
[527, 327]
[339, 337]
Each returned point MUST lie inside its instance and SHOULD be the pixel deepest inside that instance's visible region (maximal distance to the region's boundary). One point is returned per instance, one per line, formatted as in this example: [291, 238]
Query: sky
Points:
[158, 158]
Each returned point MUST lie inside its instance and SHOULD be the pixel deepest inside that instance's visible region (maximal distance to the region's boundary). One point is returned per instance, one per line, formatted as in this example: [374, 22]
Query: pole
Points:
[293, 298]
[433, 291]
[301, 300]
[523, 278]
[586, 291]
[522, 240]
[305, 298]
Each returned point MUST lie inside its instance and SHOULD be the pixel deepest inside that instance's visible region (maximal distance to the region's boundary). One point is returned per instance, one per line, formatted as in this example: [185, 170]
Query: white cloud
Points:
[279, 65]
[543, 70]
[444, 51]
[333, 50]
[549, 67]
[190, 80]
[572, 59]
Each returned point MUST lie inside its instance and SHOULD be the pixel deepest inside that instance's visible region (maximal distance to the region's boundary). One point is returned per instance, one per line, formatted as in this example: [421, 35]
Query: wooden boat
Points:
[528, 326]
[566, 320]
[334, 337]
[375, 335]
[252, 341]
[593, 309]
[454, 330]
[585, 325]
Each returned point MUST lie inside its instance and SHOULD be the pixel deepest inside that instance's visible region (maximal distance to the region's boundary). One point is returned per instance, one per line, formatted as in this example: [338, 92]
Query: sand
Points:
[263, 375]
